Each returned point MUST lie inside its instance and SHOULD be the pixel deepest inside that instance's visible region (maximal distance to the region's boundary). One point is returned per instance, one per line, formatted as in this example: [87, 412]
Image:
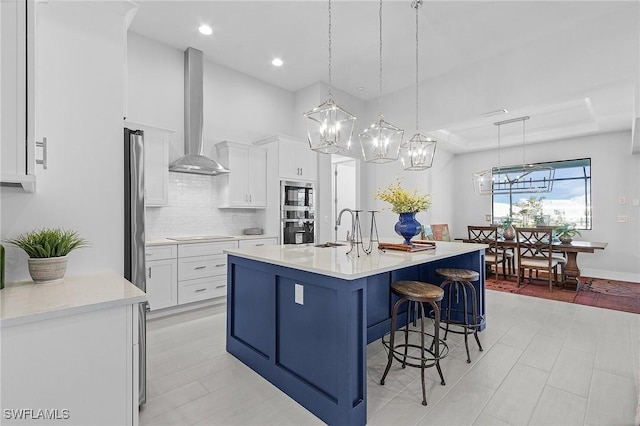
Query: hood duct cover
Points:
[194, 161]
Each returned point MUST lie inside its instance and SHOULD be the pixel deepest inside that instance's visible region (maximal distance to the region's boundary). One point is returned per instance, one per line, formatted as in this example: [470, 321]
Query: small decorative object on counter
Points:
[406, 204]
[47, 250]
[252, 231]
[566, 232]
[407, 227]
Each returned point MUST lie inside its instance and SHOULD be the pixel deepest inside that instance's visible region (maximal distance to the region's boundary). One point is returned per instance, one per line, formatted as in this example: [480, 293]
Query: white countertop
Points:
[26, 302]
[334, 262]
[199, 239]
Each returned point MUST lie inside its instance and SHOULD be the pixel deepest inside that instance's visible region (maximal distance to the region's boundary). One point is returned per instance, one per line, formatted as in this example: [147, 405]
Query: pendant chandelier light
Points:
[521, 178]
[417, 154]
[381, 141]
[329, 127]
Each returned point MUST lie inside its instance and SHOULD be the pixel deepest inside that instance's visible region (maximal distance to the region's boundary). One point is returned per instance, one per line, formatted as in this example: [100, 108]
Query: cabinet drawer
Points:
[205, 249]
[161, 252]
[201, 289]
[257, 242]
[201, 266]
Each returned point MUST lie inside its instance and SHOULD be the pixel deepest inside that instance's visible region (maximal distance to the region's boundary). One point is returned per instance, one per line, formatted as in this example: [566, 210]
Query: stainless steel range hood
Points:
[194, 161]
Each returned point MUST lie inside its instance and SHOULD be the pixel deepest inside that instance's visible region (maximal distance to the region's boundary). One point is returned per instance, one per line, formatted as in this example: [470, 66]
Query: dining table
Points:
[571, 250]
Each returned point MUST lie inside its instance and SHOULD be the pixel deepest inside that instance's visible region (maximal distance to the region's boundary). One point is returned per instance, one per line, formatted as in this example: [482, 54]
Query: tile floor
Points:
[544, 363]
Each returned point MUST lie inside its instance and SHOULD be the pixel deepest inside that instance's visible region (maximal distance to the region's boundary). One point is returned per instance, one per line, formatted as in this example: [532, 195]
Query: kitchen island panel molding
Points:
[315, 352]
[313, 345]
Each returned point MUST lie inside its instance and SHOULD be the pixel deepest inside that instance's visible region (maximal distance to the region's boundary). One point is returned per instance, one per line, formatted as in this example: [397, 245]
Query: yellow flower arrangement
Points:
[403, 201]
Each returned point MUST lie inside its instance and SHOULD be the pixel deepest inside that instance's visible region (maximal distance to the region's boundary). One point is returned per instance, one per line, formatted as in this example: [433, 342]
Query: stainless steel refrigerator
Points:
[134, 250]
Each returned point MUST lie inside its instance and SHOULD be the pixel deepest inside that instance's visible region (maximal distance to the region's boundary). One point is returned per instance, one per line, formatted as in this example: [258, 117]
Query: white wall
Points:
[399, 110]
[344, 183]
[236, 107]
[436, 181]
[155, 74]
[80, 83]
[615, 172]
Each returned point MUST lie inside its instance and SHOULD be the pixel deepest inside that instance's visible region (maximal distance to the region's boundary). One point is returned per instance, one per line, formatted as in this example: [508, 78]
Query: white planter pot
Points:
[48, 269]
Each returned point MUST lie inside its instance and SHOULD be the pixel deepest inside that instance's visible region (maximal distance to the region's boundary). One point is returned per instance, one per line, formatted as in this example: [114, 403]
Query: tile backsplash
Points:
[193, 210]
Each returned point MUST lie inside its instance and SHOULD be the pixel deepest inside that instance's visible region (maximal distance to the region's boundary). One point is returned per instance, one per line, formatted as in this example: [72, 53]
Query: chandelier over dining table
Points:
[520, 178]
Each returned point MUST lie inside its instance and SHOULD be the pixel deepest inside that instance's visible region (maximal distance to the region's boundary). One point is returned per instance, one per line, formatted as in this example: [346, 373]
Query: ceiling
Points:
[572, 66]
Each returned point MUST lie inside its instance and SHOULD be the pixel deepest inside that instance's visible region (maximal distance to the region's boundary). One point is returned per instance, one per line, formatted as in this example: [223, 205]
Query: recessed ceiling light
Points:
[360, 88]
[205, 29]
[496, 112]
[277, 62]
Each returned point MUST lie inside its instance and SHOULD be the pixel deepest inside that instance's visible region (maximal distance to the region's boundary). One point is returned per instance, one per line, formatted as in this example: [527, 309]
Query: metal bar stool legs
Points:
[417, 294]
[459, 281]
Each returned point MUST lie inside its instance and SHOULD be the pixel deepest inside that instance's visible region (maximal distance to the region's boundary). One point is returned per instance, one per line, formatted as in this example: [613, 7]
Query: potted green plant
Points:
[508, 231]
[47, 250]
[566, 232]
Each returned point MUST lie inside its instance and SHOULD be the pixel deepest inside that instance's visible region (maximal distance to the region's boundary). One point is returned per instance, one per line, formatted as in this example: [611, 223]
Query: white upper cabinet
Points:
[17, 86]
[296, 161]
[245, 186]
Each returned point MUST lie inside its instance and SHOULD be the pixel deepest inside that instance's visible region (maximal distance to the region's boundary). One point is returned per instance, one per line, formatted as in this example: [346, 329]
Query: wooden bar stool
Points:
[416, 293]
[456, 281]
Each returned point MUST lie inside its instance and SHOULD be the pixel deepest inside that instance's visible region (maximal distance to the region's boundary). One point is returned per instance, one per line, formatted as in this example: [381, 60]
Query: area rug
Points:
[602, 293]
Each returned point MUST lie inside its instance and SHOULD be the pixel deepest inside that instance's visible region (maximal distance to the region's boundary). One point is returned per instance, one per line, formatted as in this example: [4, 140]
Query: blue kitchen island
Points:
[302, 317]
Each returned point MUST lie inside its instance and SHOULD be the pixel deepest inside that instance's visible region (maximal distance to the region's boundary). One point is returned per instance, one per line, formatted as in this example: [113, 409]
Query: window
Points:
[569, 200]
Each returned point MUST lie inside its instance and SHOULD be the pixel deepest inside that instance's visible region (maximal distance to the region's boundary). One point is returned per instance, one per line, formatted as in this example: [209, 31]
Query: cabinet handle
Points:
[42, 145]
[249, 197]
[221, 264]
[199, 267]
[258, 245]
[149, 253]
[149, 271]
[221, 285]
[200, 289]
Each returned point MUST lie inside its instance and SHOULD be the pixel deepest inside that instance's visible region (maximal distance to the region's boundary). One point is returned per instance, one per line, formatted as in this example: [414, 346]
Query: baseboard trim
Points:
[610, 275]
[222, 301]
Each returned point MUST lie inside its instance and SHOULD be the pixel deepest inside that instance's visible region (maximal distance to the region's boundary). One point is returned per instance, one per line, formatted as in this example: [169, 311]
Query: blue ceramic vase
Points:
[408, 227]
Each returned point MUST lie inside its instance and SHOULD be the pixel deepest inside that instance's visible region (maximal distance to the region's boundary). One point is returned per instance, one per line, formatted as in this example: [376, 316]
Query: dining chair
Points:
[493, 256]
[535, 252]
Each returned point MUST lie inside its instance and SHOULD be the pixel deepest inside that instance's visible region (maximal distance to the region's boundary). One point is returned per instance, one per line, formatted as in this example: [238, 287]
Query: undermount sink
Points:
[329, 244]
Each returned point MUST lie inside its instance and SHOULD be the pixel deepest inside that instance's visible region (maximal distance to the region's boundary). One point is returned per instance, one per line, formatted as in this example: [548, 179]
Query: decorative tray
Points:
[417, 246]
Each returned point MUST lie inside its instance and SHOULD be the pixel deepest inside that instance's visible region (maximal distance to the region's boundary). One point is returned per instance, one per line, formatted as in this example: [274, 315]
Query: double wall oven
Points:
[297, 212]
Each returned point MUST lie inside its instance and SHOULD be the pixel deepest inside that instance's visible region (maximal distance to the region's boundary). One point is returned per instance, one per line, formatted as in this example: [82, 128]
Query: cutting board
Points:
[427, 245]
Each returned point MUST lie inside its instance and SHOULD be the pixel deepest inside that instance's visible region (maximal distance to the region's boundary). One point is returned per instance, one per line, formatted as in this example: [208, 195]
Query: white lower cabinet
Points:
[202, 271]
[202, 288]
[178, 274]
[79, 369]
[162, 276]
[258, 242]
